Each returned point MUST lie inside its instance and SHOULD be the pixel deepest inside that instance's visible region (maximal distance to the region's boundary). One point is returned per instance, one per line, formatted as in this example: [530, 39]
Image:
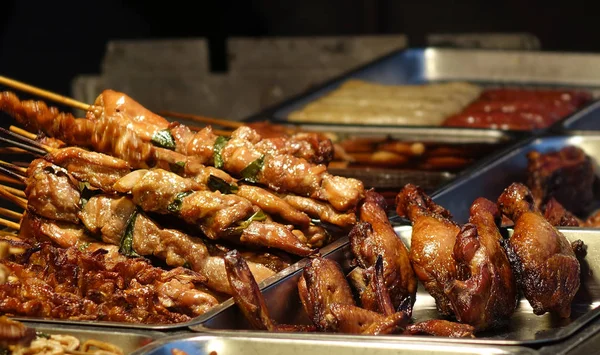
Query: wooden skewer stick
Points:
[13, 166]
[13, 150]
[10, 214]
[10, 180]
[30, 143]
[23, 132]
[10, 235]
[9, 224]
[208, 120]
[44, 93]
[14, 191]
[21, 202]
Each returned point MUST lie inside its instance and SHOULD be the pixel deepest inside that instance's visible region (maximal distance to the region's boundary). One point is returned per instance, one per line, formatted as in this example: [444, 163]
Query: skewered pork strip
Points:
[238, 155]
[309, 146]
[117, 221]
[218, 215]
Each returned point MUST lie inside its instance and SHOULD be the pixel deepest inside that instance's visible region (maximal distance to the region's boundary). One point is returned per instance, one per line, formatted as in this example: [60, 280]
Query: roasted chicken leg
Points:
[542, 257]
[374, 236]
[488, 295]
[432, 242]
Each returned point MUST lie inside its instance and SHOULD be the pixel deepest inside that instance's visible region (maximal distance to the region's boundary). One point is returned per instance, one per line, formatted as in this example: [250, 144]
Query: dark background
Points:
[47, 43]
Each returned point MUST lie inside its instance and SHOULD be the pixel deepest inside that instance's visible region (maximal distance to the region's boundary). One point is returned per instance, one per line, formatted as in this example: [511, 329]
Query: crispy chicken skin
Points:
[432, 242]
[542, 257]
[488, 295]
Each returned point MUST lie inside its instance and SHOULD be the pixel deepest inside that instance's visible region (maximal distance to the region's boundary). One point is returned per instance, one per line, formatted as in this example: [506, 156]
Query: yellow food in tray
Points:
[361, 102]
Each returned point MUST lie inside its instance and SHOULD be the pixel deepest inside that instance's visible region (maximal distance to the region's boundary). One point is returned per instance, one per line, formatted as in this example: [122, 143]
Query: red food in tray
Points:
[519, 109]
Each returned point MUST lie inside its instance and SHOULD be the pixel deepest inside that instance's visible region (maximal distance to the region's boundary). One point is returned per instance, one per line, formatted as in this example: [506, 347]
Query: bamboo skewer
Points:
[13, 150]
[9, 224]
[10, 214]
[23, 132]
[21, 202]
[10, 180]
[13, 166]
[45, 94]
[202, 119]
[14, 191]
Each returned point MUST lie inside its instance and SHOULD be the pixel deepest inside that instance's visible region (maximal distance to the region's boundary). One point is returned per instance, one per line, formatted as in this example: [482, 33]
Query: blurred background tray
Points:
[488, 68]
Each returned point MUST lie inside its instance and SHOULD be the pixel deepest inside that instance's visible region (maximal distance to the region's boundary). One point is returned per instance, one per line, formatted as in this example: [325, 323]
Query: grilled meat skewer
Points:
[117, 221]
[238, 155]
[218, 215]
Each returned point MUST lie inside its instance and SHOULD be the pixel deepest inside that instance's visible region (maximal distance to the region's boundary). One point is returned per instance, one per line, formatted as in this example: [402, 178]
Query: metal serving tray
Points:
[484, 67]
[128, 340]
[525, 328]
[489, 178]
[587, 119]
[383, 178]
[183, 325]
[272, 344]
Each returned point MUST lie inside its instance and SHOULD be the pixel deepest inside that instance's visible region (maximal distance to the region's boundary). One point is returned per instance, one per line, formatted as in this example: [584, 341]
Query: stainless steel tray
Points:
[184, 325]
[128, 340]
[391, 178]
[489, 178]
[587, 119]
[485, 67]
[525, 328]
[273, 343]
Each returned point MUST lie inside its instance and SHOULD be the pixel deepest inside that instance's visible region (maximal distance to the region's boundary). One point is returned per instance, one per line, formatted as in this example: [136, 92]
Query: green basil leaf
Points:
[42, 335]
[163, 139]
[83, 246]
[178, 168]
[86, 192]
[175, 205]
[250, 173]
[217, 184]
[258, 216]
[126, 244]
[220, 143]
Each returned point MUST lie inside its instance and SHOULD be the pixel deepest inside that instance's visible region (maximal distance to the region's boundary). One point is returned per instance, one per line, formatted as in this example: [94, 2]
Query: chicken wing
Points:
[432, 242]
[542, 257]
[487, 297]
[372, 237]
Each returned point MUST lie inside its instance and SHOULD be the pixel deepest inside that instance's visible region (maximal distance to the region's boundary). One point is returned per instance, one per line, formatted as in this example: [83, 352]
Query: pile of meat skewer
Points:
[125, 182]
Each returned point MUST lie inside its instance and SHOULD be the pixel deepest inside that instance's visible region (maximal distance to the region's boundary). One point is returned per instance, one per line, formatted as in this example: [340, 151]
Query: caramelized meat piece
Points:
[274, 205]
[278, 236]
[322, 211]
[558, 216]
[432, 242]
[51, 192]
[488, 295]
[321, 285]
[99, 170]
[543, 257]
[567, 175]
[439, 327]
[374, 236]
[356, 320]
[79, 285]
[144, 122]
[112, 217]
